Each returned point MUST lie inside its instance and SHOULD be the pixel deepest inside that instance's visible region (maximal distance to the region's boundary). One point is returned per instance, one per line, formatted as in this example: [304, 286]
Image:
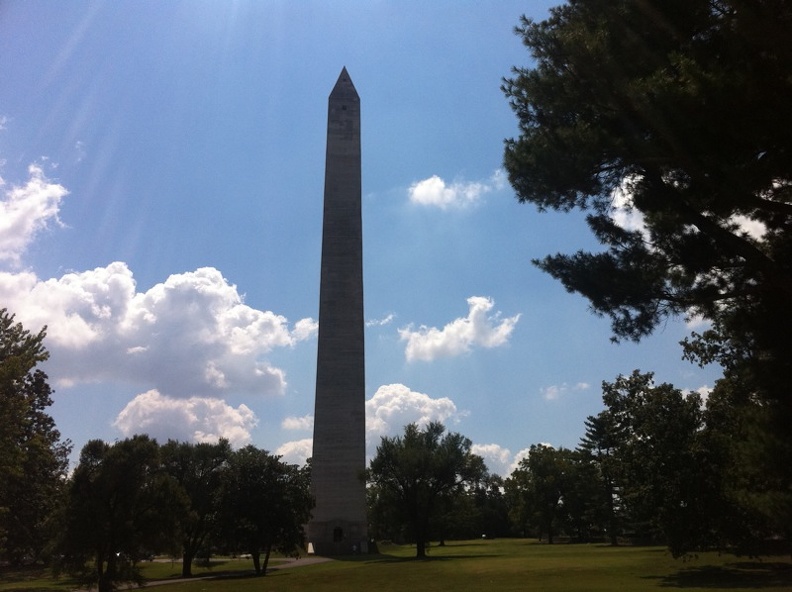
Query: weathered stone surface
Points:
[339, 458]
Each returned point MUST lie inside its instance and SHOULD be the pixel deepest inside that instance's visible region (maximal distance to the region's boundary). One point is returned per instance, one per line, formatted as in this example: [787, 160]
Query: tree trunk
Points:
[99, 568]
[106, 578]
[420, 548]
[187, 560]
[266, 560]
[421, 528]
[611, 513]
[256, 560]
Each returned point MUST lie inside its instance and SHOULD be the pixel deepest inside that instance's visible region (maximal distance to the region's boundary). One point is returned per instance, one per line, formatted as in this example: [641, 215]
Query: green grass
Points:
[500, 565]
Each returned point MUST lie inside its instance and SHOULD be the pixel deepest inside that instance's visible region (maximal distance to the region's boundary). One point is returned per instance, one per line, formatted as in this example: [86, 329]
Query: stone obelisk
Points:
[339, 523]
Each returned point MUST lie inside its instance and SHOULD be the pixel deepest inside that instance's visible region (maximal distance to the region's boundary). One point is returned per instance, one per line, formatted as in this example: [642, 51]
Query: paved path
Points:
[307, 560]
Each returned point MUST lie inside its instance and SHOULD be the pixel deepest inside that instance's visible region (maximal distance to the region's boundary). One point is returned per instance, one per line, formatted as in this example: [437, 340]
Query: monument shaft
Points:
[339, 523]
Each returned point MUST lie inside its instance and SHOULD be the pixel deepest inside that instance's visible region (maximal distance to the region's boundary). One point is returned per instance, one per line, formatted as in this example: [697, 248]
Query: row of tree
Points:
[656, 464]
[659, 465]
[134, 499]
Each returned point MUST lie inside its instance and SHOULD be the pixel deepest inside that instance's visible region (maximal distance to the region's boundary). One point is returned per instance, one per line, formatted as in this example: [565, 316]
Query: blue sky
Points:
[162, 170]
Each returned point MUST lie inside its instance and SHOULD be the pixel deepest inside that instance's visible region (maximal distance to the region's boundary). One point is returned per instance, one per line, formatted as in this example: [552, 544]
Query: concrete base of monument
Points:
[337, 537]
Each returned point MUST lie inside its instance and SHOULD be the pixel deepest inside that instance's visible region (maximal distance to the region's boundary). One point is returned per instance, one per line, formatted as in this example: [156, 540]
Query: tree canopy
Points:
[675, 112]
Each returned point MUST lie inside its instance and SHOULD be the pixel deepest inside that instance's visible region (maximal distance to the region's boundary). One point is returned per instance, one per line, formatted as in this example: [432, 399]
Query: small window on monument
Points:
[338, 534]
[343, 107]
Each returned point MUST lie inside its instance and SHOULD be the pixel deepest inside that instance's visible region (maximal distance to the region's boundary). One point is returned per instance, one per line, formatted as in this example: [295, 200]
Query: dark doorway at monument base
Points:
[338, 538]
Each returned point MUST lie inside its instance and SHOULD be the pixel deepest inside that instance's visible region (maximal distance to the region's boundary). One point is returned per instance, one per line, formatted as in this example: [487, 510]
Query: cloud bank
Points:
[478, 329]
[189, 335]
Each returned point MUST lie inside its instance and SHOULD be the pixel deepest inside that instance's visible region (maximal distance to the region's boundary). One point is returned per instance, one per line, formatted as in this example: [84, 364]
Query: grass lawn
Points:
[468, 566]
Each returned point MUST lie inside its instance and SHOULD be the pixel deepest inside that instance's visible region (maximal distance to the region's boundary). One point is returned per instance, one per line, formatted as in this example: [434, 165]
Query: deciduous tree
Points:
[542, 481]
[33, 460]
[199, 468]
[267, 502]
[666, 479]
[419, 470]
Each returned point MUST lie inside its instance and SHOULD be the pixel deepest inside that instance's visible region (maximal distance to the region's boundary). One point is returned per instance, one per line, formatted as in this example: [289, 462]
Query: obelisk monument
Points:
[339, 523]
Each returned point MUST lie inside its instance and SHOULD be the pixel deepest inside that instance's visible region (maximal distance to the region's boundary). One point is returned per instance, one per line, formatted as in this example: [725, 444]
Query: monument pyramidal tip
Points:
[339, 525]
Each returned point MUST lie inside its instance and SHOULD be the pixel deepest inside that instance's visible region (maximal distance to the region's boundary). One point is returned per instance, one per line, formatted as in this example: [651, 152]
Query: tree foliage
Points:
[678, 110]
[33, 460]
[417, 473]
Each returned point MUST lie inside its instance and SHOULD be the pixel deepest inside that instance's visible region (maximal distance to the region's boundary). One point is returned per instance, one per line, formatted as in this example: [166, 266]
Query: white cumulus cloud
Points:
[519, 456]
[704, 392]
[191, 335]
[499, 460]
[296, 452]
[26, 210]
[305, 329]
[749, 226]
[460, 335]
[394, 406]
[197, 419]
[434, 191]
[624, 213]
[304, 423]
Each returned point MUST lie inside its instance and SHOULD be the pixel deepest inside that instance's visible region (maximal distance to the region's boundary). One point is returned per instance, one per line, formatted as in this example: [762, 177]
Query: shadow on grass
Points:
[208, 565]
[394, 559]
[747, 574]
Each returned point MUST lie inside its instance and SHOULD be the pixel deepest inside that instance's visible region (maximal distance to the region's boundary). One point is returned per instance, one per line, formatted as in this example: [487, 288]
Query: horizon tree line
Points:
[656, 465]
